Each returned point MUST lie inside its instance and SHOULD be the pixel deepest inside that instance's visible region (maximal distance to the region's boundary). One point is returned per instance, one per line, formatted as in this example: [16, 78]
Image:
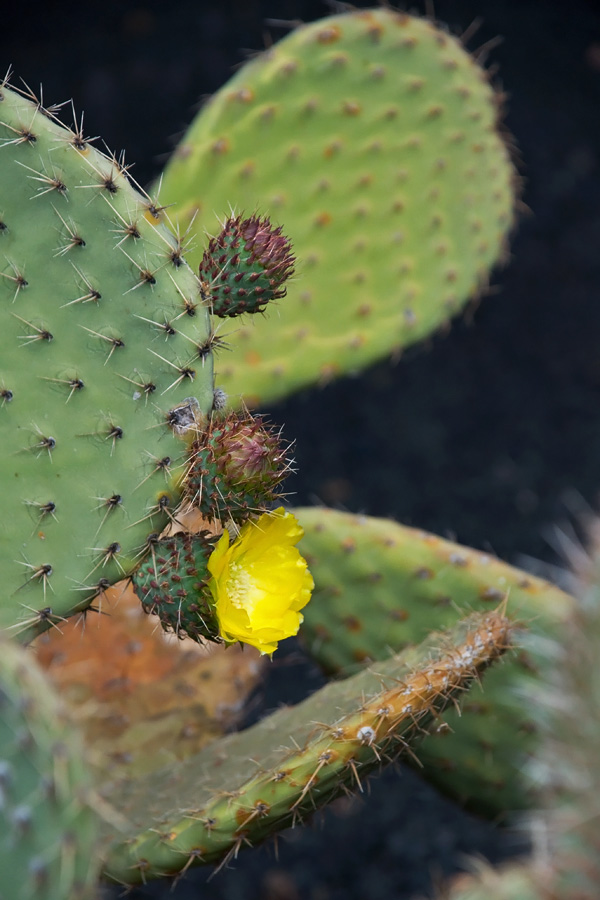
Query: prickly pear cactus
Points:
[373, 136]
[48, 830]
[105, 365]
[398, 192]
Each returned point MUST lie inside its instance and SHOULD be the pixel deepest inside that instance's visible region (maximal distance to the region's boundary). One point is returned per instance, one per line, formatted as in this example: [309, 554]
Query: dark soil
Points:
[490, 434]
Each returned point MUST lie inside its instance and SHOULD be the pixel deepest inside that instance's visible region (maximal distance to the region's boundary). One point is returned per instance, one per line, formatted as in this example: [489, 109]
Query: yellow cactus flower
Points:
[260, 582]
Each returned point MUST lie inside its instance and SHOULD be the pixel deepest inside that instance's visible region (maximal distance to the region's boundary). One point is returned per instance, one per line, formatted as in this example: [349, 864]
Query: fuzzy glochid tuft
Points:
[246, 266]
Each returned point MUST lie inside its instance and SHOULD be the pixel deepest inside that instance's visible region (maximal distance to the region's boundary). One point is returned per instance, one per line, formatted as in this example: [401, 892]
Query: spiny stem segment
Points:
[333, 741]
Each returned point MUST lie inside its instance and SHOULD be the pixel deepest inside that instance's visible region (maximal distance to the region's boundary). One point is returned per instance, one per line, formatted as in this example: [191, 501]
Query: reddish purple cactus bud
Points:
[246, 266]
[236, 468]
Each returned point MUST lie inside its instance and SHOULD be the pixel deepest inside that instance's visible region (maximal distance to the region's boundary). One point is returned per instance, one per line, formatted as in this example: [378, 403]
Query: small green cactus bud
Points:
[246, 266]
[236, 467]
[172, 585]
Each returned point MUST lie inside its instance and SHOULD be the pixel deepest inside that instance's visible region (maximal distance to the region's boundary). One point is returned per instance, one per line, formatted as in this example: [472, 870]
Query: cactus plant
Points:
[118, 438]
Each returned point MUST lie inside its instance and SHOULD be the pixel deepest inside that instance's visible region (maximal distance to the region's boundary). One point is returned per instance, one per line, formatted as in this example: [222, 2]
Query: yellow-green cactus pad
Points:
[373, 138]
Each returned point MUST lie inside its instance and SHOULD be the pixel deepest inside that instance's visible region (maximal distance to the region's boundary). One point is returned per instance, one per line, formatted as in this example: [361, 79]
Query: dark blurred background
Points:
[489, 434]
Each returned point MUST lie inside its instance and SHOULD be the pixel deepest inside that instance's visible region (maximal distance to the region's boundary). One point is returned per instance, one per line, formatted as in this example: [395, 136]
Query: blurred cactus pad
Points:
[48, 830]
[376, 139]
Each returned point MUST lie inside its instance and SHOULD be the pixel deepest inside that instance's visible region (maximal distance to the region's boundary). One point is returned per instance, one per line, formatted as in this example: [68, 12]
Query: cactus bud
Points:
[245, 266]
[172, 584]
[236, 467]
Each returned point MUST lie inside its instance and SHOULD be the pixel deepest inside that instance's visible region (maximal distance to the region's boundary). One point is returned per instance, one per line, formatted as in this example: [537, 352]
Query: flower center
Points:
[241, 588]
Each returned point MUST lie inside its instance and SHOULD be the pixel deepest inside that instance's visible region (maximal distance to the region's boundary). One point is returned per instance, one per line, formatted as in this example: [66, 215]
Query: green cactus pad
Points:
[236, 466]
[105, 360]
[172, 584]
[243, 788]
[373, 138]
[48, 831]
[380, 586]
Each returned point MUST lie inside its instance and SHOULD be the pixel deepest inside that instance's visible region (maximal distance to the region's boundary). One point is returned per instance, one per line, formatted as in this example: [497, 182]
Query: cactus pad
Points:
[248, 786]
[414, 581]
[380, 586]
[105, 362]
[373, 137]
[48, 831]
